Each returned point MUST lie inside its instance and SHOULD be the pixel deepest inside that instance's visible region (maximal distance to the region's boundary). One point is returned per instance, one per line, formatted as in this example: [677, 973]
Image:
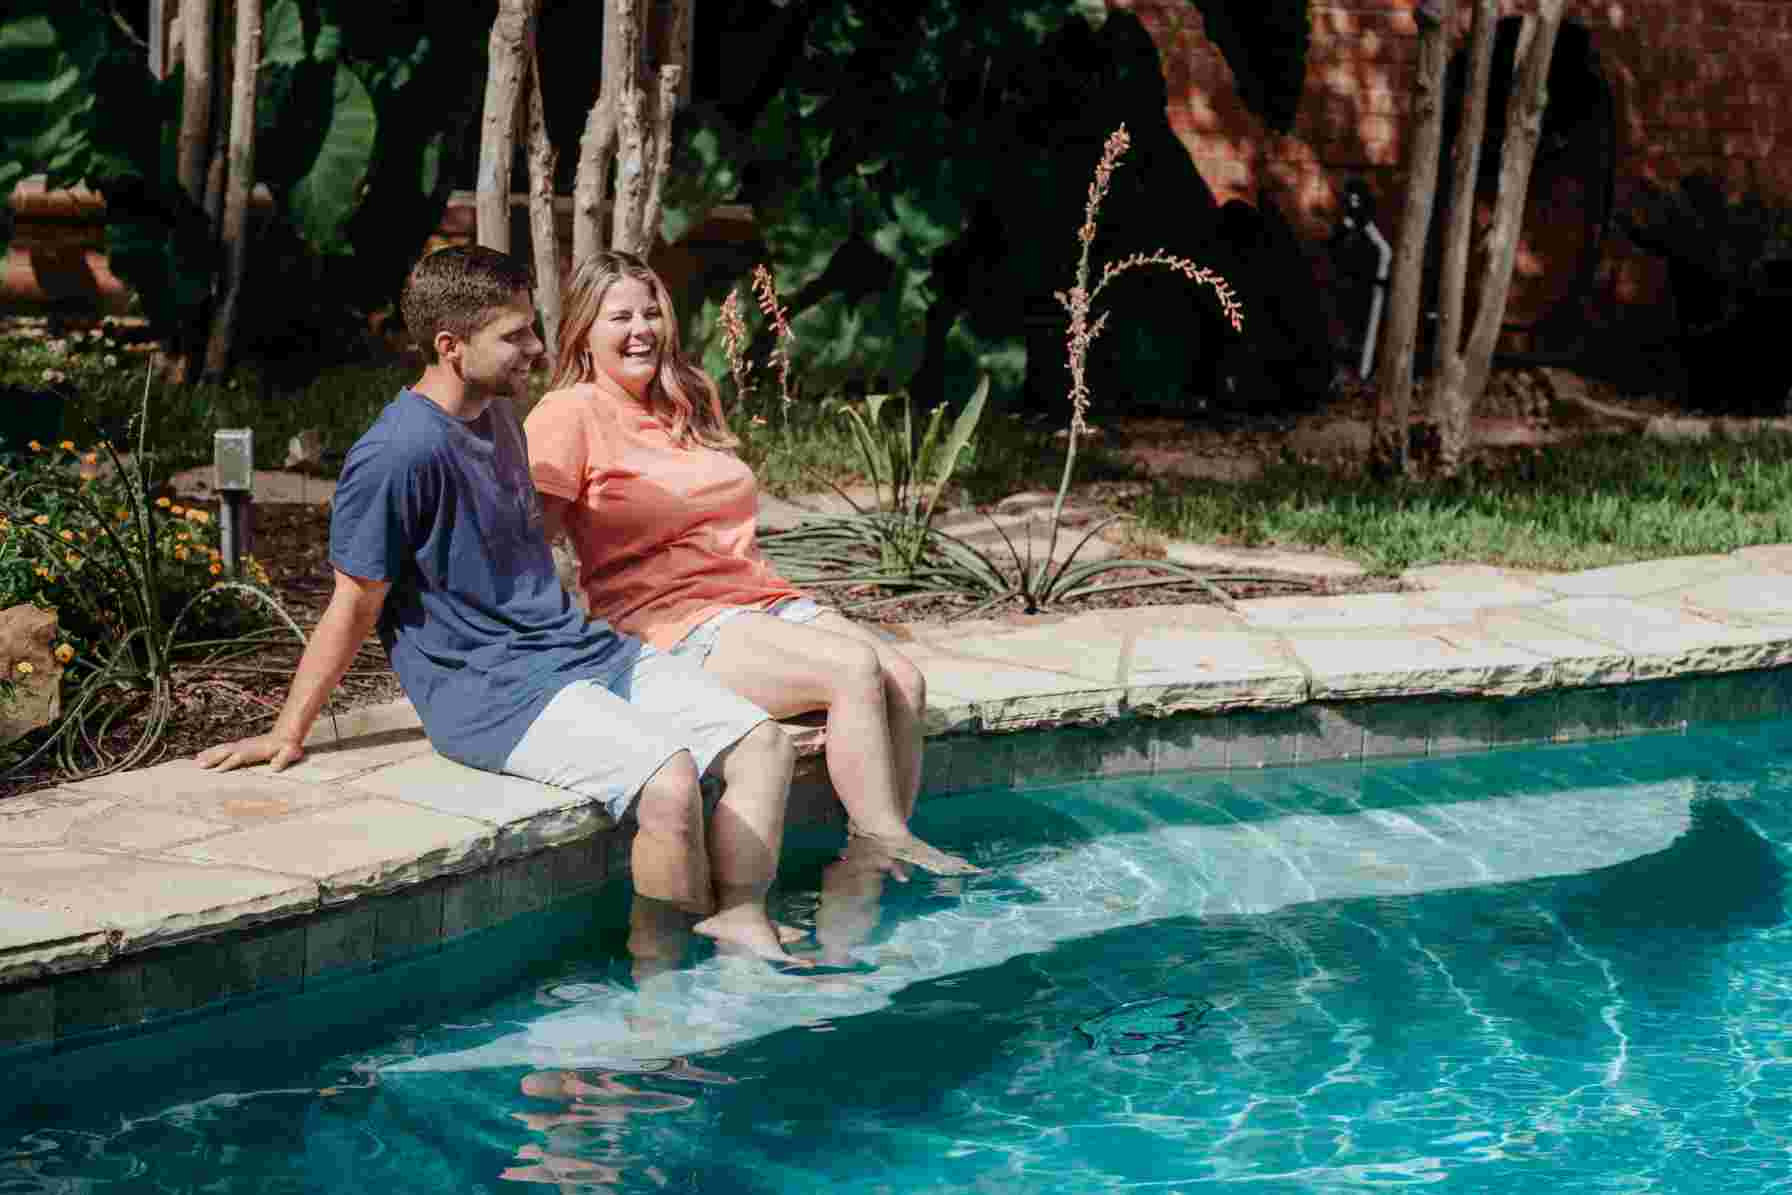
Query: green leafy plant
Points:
[895, 542]
[911, 555]
[137, 585]
[908, 472]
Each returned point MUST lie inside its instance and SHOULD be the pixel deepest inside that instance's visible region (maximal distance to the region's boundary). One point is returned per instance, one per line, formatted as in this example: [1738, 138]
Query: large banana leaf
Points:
[325, 197]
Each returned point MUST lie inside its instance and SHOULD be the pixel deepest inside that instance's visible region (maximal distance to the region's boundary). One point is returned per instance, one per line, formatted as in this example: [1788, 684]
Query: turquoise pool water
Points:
[1568, 966]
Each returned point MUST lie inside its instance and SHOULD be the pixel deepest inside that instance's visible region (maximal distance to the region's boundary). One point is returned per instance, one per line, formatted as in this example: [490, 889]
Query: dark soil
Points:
[217, 702]
[241, 697]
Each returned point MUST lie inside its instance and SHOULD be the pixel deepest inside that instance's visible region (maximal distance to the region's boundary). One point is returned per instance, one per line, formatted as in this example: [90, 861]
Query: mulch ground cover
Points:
[218, 702]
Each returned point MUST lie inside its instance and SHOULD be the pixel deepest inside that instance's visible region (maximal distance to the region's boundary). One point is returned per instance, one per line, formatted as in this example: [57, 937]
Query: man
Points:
[436, 537]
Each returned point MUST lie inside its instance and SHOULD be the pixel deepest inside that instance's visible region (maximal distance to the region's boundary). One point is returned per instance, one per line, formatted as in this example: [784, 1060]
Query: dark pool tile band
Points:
[137, 992]
[1329, 731]
[160, 987]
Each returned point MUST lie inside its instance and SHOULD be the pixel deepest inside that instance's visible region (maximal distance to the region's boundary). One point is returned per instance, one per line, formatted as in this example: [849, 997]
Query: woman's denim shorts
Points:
[700, 640]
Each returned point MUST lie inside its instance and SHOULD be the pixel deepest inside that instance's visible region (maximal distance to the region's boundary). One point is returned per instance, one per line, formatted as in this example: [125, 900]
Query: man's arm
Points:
[353, 610]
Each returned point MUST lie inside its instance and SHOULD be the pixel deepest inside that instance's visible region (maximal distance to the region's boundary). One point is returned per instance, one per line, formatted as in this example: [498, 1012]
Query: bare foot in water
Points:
[906, 848]
[745, 929]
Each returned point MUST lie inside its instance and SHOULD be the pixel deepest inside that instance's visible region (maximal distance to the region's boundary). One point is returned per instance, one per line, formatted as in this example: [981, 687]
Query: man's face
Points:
[496, 359]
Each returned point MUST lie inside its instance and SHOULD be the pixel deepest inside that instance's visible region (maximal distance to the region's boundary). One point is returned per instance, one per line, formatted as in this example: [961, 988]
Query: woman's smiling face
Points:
[625, 339]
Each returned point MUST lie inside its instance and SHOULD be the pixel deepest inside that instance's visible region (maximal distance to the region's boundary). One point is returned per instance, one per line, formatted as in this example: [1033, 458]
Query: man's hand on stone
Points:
[277, 752]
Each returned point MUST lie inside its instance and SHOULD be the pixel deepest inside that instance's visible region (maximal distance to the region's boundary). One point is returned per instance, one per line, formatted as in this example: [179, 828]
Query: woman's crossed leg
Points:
[874, 697]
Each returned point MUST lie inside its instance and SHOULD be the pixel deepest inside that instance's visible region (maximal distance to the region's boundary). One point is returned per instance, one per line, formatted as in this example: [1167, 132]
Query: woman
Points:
[632, 459]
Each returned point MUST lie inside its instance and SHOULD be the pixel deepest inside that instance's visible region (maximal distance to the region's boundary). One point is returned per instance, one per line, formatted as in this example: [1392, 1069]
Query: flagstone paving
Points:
[97, 873]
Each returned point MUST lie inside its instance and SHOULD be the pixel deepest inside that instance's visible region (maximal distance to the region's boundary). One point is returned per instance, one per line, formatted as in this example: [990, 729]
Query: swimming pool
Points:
[1566, 965]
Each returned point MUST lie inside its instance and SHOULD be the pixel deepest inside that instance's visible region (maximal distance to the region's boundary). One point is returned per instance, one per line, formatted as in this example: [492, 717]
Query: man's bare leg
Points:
[670, 859]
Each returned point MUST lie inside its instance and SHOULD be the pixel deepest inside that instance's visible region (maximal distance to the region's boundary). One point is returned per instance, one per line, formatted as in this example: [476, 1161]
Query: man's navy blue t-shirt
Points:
[477, 625]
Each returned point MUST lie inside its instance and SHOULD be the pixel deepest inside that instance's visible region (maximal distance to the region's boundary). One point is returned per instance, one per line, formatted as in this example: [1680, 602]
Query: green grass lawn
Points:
[1598, 501]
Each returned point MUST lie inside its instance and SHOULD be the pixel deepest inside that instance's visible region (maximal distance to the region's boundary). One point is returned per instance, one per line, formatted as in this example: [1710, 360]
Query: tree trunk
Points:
[1449, 403]
[217, 156]
[669, 39]
[497, 139]
[671, 84]
[597, 147]
[1394, 370]
[544, 235]
[195, 136]
[1524, 126]
[158, 38]
[631, 131]
[241, 179]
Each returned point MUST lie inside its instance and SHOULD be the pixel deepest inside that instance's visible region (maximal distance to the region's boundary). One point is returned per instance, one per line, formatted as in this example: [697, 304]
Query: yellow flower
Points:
[162, 501]
[41, 571]
[24, 668]
[64, 652]
[216, 568]
[180, 553]
[177, 511]
[67, 446]
[35, 446]
[199, 516]
[41, 520]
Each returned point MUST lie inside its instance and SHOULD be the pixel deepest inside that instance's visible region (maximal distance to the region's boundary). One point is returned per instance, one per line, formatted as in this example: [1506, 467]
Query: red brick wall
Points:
[1700, 85]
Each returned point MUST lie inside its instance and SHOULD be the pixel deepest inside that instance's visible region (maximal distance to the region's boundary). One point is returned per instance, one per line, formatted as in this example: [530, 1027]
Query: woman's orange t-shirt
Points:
[664, 534]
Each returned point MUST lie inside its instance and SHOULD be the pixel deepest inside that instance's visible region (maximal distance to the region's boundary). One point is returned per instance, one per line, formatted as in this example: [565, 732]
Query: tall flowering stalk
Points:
[1078, 301]
[779, 318]
[734, 345]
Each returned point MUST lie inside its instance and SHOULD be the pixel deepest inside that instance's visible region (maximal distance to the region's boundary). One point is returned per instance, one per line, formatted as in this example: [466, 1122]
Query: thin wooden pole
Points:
[239, 182]
[544, 233]
[497, 139]
[1394, 372]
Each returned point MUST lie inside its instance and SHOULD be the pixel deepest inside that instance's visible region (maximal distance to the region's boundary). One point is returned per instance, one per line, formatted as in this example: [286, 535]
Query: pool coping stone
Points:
[119, 896]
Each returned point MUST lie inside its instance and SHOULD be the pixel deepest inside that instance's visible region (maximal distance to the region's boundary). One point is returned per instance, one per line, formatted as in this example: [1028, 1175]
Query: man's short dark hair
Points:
[456, 290]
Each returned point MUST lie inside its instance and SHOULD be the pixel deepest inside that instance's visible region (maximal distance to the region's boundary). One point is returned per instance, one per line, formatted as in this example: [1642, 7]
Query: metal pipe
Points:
[1378, 293]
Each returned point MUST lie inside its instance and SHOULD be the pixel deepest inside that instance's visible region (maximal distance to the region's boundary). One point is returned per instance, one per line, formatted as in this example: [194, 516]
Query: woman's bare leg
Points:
[789, 669]
[905, 703]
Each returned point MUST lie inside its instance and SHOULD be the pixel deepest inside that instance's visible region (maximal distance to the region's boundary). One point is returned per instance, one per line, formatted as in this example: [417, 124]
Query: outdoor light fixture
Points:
[233, 459]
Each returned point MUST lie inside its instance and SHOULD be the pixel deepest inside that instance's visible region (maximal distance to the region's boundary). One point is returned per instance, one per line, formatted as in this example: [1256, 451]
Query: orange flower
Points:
[91, 458]
[68, 536]
[34, 446]
[177, 511]
[41, 520]
[162, 501]
[67, 446]
[216, 568]
[64, 652]
[180, 553]
[199, 516]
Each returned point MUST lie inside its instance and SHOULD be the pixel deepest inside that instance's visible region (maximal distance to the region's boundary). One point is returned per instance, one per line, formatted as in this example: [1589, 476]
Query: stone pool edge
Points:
[134, 899]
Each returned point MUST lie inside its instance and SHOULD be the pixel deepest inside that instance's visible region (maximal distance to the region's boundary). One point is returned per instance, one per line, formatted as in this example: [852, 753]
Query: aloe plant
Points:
[908, 474]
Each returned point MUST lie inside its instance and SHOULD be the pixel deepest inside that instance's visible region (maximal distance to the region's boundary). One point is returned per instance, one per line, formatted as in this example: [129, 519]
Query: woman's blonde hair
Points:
[682, 395]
